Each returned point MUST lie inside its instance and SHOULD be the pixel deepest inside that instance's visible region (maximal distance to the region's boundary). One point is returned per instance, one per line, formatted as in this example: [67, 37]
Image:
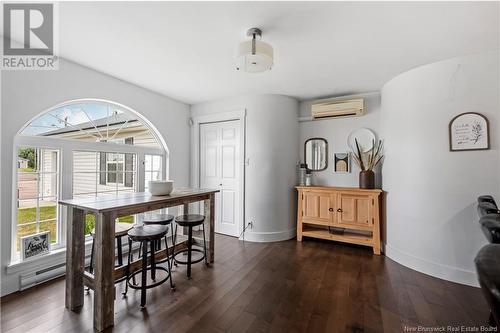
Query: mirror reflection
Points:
[316, 154]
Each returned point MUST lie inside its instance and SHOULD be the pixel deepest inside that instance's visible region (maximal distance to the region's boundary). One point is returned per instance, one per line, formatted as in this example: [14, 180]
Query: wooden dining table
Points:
[107, 210]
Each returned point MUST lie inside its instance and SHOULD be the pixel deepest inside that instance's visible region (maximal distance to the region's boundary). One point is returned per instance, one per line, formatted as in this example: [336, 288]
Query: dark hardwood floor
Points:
[312, 286]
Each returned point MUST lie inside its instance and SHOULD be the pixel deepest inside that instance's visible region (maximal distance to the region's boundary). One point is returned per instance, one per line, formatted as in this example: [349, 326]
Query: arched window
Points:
[83, 148]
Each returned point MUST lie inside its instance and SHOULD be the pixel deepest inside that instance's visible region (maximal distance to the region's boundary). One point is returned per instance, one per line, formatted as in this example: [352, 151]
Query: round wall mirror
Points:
[365, 138]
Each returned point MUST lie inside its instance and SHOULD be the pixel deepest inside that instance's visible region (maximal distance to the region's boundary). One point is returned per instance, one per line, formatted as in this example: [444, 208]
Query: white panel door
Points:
[219, 168]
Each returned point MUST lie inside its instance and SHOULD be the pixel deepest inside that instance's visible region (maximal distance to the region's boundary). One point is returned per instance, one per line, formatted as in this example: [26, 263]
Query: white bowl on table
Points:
[160, 187]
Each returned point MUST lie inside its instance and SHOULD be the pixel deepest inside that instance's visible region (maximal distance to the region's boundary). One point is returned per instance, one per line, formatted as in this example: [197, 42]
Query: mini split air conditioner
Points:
[338, 108]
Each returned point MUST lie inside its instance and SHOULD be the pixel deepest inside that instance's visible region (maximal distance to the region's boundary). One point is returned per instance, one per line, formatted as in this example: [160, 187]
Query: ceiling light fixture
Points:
[254, 56]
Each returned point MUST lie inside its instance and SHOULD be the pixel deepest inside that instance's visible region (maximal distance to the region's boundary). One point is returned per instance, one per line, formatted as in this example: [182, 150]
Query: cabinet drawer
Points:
[355, 210]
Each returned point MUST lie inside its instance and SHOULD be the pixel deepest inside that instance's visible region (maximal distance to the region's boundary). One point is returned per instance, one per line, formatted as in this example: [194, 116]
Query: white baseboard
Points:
[266, 237]
[441, 271]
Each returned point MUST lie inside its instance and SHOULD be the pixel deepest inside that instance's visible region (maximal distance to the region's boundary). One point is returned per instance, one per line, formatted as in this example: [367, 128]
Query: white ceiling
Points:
[185, 50]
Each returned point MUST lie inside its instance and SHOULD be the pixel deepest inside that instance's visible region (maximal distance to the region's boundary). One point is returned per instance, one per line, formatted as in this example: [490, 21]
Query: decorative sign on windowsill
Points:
[35, 245]
[469, 131]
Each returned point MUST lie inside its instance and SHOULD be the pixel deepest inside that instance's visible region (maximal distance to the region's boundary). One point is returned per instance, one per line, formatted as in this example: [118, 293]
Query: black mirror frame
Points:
[326, 153]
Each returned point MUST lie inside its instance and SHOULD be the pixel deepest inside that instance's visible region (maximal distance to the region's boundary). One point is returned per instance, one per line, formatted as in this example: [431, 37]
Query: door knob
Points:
[339, 210]
[331, 209]
[220, 184]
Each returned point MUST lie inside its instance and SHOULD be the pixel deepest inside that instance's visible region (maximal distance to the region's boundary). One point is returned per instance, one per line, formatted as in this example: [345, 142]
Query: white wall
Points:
[272, 138]
[431, 192]
[27, 93]
[336, 131]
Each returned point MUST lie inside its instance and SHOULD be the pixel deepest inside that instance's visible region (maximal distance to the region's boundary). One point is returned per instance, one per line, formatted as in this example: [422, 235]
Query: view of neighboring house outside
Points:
[95, 173]
[22, 163]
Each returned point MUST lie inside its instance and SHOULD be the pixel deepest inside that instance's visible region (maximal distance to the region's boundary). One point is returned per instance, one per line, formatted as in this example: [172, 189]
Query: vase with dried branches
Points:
[367, 162]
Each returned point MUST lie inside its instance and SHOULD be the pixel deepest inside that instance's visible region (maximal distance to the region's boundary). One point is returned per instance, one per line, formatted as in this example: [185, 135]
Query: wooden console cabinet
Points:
[349, 215]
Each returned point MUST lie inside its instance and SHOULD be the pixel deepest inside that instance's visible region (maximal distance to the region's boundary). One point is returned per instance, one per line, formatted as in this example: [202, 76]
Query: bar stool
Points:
[161, 219]
[190, 221]
[145, 234]
[121, 230]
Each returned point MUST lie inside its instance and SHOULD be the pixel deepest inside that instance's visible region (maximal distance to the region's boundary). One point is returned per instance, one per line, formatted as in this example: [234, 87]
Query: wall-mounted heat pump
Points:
[337, 108]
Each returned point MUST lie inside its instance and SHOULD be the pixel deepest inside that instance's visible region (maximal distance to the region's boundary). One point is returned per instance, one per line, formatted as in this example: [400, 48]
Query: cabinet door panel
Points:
[354, 211]
[317, 208]
[324, 207]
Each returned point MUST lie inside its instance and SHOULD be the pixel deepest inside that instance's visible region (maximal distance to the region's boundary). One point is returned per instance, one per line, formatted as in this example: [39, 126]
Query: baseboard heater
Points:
[32, 279]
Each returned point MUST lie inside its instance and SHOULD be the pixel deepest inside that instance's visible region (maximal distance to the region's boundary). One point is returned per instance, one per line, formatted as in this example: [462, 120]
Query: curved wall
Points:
[431, 192]
[272, 137]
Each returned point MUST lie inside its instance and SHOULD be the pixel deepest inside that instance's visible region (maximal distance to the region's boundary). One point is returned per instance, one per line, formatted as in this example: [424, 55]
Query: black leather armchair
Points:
[486, 198]
[485, 208]
[490, 224]
[488, 270]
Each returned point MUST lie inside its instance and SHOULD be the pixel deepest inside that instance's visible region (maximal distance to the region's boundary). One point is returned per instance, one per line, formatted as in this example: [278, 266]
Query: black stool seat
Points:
[121, 230]
[162, 219]
[190, 220]
[147, 232]
[488, 270]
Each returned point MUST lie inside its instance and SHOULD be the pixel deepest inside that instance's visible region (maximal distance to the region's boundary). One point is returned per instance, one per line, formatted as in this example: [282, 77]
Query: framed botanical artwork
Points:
[35, 245]
[469, 131]
[342, 162]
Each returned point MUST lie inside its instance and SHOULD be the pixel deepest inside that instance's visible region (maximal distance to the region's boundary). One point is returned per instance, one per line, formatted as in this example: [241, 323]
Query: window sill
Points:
[53, 258]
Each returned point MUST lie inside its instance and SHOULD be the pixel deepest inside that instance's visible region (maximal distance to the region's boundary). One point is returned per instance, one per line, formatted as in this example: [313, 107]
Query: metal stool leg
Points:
[204, 245]
[189, 245]
[174, 239]
[127, 269]
[173, 236]
[91, 268]
[153, 245]
[144, 273]
[120, 254]
[172, 285]
[131, 253]
[166, 246]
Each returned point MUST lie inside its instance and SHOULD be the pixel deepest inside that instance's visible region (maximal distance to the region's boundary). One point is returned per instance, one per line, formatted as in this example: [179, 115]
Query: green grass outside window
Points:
[26, 218]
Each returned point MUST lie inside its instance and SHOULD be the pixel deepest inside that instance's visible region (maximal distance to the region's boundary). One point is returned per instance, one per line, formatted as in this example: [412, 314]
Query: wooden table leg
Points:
[104, 292]
[210, 218]
[75, 258]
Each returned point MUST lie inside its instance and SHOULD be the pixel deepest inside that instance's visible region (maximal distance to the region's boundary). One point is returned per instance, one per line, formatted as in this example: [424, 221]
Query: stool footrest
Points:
[169, 275]
[182, 262]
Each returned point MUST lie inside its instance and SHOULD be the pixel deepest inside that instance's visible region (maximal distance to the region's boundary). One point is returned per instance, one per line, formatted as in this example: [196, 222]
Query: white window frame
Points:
[152, 171]
[65, 167]
[57, 197]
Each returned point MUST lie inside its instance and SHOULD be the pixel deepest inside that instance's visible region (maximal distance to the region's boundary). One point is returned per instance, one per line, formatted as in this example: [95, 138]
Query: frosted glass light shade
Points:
[261, 61]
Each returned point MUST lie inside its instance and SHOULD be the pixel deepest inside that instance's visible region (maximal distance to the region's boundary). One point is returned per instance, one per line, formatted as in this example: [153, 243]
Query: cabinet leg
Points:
[376, 249]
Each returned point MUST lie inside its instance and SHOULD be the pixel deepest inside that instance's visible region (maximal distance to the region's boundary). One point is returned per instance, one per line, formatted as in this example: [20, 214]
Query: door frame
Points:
[196, 122]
